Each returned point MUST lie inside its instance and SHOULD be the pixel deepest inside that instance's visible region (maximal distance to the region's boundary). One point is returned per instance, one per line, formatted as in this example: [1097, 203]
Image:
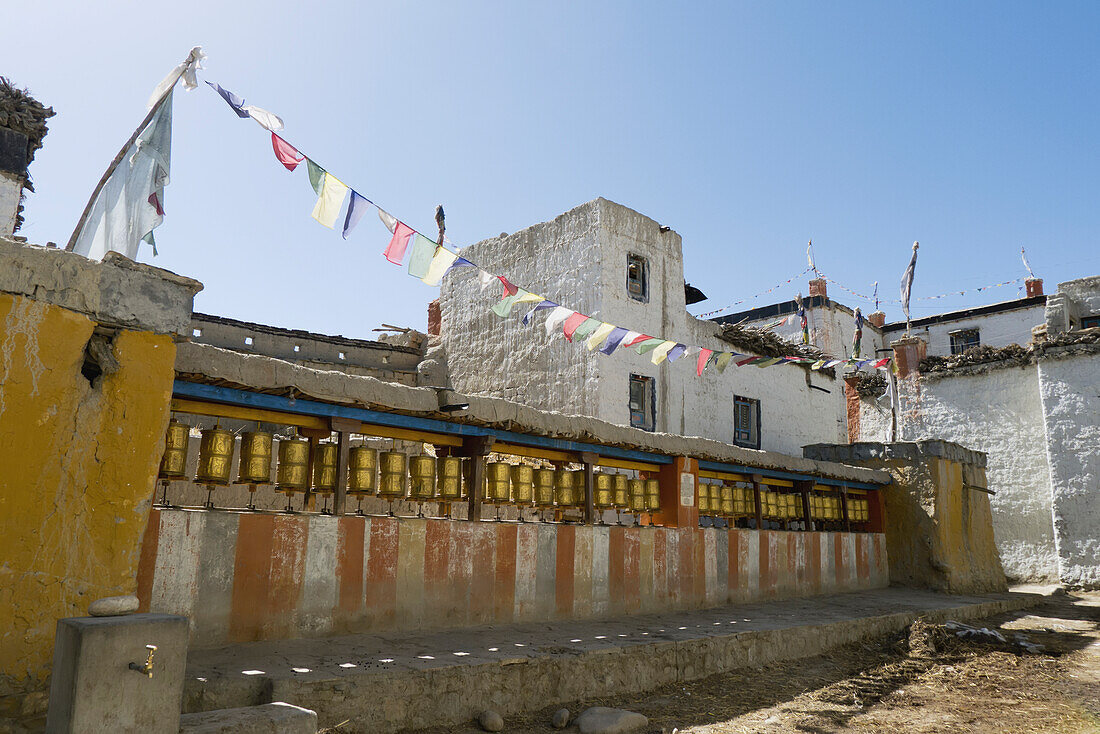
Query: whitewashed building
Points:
[611, 262]
[1034, 411]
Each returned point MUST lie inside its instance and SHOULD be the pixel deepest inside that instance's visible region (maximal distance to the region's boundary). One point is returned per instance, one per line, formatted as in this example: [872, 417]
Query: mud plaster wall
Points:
[998, 412]
[939, 527]
[78, 462]
[580, 258]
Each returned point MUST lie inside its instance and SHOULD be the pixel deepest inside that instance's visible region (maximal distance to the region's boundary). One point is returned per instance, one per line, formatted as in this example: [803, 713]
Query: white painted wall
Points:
[994, 330]
[832, 329]
[998, 412]
[1070, 390]
[11, 186]
[579, 259]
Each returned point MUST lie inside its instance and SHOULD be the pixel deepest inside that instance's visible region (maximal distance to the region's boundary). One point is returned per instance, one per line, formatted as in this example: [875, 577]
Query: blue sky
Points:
[746, 127]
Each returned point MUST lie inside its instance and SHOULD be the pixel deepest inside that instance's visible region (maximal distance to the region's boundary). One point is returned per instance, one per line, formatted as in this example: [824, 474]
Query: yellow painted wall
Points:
[78, 462]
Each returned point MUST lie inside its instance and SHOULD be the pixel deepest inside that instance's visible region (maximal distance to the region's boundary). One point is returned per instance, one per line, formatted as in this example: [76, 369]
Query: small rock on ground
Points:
[560, 719]
[490, 720]
[601, 720]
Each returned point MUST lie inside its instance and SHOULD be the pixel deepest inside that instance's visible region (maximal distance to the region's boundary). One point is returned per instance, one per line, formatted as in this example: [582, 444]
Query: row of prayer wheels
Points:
[391, 474]
[731, 500]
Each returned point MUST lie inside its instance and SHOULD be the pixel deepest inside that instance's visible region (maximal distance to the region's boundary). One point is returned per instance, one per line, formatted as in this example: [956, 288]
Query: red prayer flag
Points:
[509, 289]
[395, 251]
[704, 357]
[636, 340]
[572, 323]
[287, 154]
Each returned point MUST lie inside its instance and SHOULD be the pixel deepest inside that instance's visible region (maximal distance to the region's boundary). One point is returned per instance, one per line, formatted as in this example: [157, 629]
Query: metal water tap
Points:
[147, 667]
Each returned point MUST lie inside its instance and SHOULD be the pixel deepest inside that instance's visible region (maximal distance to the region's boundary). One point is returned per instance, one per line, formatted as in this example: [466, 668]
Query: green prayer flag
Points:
[505, 305]
[649, 345]
[585, 330]
[421, 258]
[316, 176]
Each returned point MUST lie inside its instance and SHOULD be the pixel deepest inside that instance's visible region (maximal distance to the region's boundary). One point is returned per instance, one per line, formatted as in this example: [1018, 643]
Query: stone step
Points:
[386, 683]
[268, 718]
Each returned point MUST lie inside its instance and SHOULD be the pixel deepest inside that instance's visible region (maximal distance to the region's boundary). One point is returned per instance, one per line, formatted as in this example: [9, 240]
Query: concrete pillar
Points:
[679, 483]
[908, 353]
[94, 685]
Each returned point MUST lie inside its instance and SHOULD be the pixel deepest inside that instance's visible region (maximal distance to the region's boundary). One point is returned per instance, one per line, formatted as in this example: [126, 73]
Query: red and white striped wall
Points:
[244, 576]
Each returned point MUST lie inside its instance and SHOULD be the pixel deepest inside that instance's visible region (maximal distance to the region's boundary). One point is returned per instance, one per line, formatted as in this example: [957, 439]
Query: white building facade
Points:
[589, 260]
[1038, 419]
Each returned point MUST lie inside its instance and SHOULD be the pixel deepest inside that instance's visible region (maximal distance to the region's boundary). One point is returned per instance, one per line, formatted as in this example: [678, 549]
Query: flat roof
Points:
[300, 334]
[967, 313]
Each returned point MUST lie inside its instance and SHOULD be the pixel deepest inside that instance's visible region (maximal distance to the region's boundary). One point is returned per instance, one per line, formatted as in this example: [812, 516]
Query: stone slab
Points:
[385, 683]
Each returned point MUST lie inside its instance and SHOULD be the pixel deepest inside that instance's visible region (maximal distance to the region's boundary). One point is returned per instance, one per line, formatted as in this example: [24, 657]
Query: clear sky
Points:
[746, 127]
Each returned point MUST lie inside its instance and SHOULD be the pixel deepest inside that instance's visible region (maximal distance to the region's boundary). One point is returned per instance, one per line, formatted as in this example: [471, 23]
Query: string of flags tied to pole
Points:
[429, 260]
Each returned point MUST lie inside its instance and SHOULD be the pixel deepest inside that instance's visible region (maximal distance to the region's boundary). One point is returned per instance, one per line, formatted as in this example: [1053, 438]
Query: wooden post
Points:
[476, 448]
[344, 427]
[756, 480]
[309, 500]
[804, 487]
[844, 509]
[589, 460]
[340, 497]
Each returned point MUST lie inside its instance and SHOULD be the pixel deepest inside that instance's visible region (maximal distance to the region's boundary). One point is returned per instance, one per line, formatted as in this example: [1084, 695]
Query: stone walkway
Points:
[412, 679]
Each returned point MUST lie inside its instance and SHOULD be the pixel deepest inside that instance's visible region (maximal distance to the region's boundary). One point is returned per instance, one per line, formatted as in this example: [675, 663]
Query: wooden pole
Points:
[756, 480]
[122, 154]
[804, 487]
[476, 448]
[340, 500]
[589, 460]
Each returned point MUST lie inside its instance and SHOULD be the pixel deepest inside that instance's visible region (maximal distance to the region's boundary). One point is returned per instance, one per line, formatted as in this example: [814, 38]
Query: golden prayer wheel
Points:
[605, 489]
[727, 500]
[544, 488]
[523, 484]
[290, 474]
[715, 499]
[422, 478]
[324, 468]
[362, 470]
[173, 464]
[653, 495]
[704, 500]
[498, 478]
[637, 495]
[450, 478]
[563, 488]
[393, 481]
[215, 456]
[255, 464]
[621, 494]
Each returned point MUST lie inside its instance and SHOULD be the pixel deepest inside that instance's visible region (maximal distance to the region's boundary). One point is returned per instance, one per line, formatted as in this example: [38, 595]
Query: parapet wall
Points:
[251, 576]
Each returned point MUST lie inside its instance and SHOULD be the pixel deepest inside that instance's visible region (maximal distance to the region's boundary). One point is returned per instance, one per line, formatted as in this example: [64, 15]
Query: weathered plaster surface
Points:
[580, 258]
[116, 292]
[78, 464]
[1070, 390]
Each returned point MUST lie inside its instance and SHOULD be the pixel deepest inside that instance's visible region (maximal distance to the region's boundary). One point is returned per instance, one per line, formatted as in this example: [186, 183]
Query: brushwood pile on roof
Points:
[1087, 340]
[21, 112]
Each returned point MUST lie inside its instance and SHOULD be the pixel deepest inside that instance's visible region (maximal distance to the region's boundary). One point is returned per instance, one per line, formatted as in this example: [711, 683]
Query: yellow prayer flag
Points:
[600, 335]
[661, 352]
[327, 208]
[442, 260]
[527, 297]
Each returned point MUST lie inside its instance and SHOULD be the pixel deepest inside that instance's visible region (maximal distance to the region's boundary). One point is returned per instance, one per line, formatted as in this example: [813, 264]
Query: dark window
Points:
[746, 422]
[963, 340]
[1090, 322]
[637, 277]
[642, 402]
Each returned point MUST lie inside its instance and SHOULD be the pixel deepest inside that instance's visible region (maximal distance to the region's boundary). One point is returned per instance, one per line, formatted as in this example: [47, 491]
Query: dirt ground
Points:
[923, 680]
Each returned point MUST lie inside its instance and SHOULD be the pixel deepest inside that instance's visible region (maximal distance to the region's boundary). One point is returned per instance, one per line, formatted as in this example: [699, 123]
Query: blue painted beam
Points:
[233, 396]
[738, 469]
